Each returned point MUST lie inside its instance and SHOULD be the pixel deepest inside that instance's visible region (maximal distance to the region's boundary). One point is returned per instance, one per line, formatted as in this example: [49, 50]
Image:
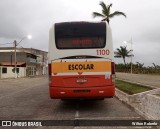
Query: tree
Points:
[122, 52]
[106, 14]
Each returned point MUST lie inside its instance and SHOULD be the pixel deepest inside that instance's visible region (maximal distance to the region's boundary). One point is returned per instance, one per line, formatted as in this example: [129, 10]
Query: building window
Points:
[17, 70]
[4, 70]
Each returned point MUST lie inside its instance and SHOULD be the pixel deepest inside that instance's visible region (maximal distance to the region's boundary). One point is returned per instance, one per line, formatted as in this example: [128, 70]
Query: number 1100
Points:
[102, 52]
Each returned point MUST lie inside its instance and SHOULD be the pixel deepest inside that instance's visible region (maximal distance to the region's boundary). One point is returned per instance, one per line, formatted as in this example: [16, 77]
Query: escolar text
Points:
[80, 67]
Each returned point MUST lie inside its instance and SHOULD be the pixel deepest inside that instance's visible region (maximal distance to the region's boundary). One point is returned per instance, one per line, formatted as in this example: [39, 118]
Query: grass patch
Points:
[131, 88]
[158, 95]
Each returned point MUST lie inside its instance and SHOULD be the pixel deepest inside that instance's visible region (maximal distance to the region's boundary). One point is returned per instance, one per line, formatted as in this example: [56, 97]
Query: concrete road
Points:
[28, 99]
[150, 80]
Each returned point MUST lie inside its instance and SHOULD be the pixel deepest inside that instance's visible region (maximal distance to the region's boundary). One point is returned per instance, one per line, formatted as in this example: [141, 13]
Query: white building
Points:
[29, 62]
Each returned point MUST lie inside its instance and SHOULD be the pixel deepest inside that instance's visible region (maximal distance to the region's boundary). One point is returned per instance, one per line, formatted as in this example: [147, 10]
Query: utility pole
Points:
[15, 58]
[15, 53]
[130, 41]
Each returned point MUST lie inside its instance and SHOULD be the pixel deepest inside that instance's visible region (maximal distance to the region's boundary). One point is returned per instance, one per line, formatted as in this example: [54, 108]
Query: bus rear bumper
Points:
[82, 93]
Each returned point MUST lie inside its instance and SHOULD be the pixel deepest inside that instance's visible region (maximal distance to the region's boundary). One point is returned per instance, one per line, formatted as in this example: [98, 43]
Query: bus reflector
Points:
[62, 92]
[101, 92]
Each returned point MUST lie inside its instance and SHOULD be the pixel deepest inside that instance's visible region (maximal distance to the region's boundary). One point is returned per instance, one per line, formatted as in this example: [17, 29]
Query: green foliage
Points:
[106, 13]
[131, 88]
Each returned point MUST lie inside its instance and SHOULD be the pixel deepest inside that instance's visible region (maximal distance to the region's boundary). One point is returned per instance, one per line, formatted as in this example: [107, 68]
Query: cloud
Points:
[22, 17]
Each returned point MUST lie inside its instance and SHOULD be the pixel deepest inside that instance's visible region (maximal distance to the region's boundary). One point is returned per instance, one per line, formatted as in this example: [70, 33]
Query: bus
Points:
[81, 64]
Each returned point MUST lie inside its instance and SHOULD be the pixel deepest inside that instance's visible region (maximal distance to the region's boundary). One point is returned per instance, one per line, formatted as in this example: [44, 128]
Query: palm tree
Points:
[106, 14]
[122, 52]
[155, 66]
[140, 65]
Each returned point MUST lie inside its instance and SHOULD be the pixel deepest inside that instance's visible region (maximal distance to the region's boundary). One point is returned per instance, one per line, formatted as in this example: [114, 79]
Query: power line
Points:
[6, 43]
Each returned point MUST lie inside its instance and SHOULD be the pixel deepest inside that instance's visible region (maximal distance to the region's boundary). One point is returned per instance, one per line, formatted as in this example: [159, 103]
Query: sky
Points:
[18, 18]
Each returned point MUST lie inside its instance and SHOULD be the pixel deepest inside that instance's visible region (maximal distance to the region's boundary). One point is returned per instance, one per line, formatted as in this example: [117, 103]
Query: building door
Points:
[31, 71]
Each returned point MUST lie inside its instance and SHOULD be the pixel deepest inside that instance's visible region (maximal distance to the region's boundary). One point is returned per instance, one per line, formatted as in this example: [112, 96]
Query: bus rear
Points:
[81, 62]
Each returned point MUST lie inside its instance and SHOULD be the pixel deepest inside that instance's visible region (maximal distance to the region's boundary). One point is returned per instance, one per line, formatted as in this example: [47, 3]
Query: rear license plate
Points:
[79, 91]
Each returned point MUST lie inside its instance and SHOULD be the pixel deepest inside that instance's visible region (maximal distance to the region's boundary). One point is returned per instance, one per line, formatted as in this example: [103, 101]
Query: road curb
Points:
[147, 104]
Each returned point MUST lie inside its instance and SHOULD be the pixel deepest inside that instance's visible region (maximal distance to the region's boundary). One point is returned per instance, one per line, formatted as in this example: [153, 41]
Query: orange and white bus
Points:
[81, 64]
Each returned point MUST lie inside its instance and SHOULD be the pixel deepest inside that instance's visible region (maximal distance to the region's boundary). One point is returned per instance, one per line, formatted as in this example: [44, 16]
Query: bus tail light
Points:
[49, 73]
[113, 68]
[113, 71]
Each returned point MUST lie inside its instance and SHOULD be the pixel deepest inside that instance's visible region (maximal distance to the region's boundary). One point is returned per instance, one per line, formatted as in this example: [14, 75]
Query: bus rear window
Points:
[80, 35]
